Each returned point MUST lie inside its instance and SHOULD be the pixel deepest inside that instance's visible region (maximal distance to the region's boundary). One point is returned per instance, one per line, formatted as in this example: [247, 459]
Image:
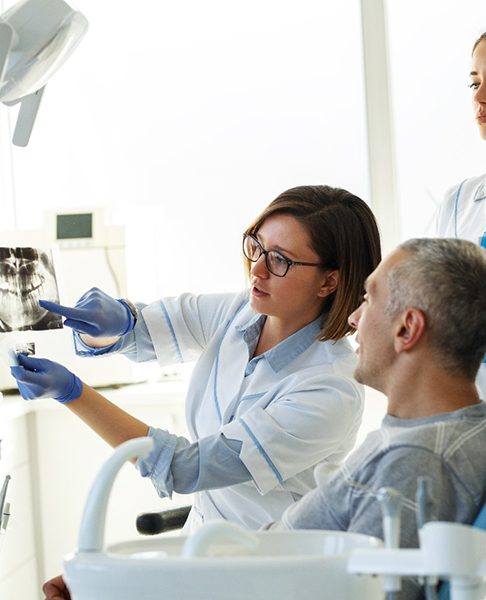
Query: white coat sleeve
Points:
[180, 328]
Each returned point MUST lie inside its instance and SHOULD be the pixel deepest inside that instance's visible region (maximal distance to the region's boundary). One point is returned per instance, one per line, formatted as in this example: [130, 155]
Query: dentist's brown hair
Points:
[345, 236]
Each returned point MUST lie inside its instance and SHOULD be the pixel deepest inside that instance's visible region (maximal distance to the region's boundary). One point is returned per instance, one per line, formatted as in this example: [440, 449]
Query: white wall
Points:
[437, 144]
[185, 119]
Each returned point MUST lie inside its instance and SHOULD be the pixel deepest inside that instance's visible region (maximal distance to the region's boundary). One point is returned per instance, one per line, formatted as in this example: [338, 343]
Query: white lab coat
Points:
[462, 214]
[297, 408]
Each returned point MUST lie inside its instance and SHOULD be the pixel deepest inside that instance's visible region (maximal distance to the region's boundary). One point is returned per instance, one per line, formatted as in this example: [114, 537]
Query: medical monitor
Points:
[74, 226]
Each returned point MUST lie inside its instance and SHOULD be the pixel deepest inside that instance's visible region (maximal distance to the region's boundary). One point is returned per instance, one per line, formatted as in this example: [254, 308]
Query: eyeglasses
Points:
[276, 263]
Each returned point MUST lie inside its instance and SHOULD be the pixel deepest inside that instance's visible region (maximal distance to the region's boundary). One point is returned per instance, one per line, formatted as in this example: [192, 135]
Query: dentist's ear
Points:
[329, 284]
[410, 328]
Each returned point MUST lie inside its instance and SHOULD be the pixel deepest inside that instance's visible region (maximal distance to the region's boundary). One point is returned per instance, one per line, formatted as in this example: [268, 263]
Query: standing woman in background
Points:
[272, 393]
[463, 212]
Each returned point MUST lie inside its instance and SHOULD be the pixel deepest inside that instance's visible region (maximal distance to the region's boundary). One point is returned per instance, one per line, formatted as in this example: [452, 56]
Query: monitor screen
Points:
[74, 226]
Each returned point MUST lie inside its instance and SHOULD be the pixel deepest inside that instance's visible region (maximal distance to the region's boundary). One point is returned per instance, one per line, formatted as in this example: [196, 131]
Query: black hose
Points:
[159, 522]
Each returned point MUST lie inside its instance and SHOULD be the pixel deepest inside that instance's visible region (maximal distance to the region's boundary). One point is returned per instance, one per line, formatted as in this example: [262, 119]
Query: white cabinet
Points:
[68, 455]
[18, 564]
[22, 583]
[52, 458]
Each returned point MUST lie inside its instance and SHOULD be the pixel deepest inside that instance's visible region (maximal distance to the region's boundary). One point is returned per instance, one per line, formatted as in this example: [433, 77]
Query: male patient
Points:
[422, 335]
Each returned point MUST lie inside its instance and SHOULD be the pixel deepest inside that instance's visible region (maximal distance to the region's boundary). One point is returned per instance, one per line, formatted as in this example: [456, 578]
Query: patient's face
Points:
[375, 329]
[26, 275]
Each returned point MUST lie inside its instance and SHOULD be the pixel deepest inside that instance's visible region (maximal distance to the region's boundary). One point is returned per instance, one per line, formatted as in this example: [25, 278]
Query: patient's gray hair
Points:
[446, 280]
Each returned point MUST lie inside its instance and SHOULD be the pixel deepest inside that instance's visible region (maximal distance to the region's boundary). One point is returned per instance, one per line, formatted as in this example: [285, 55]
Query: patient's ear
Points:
[409, 330]
[329, 283]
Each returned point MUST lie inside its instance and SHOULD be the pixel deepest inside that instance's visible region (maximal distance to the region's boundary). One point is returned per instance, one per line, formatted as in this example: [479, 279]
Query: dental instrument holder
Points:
[92, 529]
[6, 516]
[451, 550]
[391, 506]
[3, 495]
[425, 505]
[6, 512]
[424, 502]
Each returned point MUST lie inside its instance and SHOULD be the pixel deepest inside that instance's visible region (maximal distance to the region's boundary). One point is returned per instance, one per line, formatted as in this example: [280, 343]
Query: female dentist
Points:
[462, 214]
[272, 393]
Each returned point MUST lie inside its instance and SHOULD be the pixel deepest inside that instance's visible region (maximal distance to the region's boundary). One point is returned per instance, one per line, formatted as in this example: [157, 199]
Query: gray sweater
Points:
[448, 448]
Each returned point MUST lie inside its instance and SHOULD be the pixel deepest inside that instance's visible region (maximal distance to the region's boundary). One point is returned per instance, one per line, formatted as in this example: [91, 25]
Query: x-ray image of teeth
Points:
[26, 276]
[26, 348]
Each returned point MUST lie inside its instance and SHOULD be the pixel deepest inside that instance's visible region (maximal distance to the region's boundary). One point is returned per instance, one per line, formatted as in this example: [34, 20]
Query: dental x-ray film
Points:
[26, 276]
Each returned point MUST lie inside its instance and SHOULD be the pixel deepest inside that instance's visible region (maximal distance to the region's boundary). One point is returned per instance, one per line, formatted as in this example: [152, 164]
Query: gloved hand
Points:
[42, 378]
[96, 314]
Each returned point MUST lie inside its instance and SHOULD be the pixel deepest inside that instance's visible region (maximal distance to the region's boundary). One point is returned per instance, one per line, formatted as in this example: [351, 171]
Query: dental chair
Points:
[218, 561]
[212, 563]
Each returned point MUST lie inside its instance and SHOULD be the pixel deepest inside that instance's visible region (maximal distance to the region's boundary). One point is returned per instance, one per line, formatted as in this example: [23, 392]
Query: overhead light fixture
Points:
[36, 37]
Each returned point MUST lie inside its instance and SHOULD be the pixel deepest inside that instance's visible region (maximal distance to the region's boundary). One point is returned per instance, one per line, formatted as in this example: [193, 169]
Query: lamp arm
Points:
[29, 107]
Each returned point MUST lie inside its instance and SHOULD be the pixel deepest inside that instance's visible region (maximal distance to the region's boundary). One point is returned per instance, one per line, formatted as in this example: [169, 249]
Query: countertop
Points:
[166, 391]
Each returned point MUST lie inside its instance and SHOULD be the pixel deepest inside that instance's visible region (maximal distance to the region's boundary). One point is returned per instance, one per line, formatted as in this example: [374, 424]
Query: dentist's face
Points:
[478, 86]
[26, 275]
[297, 297]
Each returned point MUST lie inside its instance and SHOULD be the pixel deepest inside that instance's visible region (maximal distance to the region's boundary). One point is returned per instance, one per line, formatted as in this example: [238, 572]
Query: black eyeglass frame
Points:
[289, 261]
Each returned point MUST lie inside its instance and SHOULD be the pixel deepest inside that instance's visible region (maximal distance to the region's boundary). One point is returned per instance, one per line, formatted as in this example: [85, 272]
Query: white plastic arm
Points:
[92, 530]
[205, 541]
[29, 107]
[451, 550]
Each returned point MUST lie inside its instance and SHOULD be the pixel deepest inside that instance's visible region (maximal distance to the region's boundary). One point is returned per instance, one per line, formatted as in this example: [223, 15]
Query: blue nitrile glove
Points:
[42, 378]
[96, 314]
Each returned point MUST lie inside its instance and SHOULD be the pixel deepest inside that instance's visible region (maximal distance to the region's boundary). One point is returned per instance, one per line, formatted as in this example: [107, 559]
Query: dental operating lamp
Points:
[36, 37]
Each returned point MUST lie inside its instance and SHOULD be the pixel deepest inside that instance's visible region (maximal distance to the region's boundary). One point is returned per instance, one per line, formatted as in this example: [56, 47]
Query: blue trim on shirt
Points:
[245, 399]
[251, 332]
[172, 331]
[252, 396]
[254, 318]
[216, 366]
[284, 353]
[261, 450]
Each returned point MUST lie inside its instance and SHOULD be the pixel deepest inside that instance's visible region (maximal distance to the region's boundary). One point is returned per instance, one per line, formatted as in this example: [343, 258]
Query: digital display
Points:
[74, 226]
